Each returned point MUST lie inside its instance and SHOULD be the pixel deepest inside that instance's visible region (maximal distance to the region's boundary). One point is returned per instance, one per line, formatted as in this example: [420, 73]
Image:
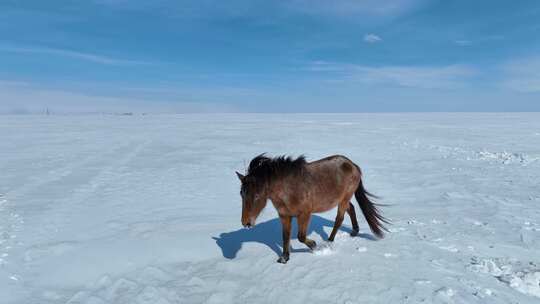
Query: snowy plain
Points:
[145, 209]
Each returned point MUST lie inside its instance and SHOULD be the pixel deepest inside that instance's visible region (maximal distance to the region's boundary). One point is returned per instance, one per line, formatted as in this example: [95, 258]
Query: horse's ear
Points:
[240, 176]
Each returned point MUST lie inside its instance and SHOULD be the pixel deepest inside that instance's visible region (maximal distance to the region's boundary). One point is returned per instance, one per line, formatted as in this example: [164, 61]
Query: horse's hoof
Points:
[283, 260]
[312, 245]
[354, 233]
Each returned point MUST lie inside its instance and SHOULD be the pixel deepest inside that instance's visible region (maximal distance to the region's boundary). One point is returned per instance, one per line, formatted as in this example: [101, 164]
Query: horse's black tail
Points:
[371, 212]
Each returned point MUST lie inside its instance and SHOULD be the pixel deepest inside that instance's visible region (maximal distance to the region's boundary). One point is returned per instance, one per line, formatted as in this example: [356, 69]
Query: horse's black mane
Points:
[264, 169]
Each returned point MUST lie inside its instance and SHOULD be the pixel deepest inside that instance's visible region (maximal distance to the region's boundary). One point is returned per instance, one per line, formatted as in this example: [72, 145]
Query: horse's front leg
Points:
[286, 233]
[303, 225]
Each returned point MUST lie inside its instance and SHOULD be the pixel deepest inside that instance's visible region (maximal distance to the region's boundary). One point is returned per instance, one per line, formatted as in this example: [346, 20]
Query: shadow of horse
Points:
[269, 234]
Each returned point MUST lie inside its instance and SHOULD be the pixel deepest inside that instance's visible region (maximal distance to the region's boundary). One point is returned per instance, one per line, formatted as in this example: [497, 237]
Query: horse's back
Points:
[336, 178]
[335, 162]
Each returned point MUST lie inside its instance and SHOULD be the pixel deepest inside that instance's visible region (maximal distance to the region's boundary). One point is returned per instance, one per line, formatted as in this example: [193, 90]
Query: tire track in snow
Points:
[58, 175]
[106, 174]
[61, 215]
[10, 224]
[98, 176]
[23, 196]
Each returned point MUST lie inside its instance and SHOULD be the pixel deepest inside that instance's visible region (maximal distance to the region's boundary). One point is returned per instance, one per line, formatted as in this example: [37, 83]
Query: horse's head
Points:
[254, 199]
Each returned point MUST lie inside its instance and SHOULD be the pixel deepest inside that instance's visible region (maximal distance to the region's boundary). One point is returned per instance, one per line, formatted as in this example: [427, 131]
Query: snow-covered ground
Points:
[145, 209]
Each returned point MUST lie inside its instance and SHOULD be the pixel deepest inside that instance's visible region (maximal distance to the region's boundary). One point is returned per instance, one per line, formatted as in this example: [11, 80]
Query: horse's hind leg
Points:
[352, 215]
[342, 208]
[303, 225]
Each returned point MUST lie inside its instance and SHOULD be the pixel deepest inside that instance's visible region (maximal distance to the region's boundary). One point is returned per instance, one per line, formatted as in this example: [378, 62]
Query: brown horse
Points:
[298, 189]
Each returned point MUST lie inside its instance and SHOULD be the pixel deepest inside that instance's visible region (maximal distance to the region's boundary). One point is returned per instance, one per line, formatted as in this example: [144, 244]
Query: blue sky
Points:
[269, 56]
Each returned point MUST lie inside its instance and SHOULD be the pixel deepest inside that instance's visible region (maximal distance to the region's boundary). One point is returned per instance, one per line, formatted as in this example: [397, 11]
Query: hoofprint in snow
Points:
[145, 209]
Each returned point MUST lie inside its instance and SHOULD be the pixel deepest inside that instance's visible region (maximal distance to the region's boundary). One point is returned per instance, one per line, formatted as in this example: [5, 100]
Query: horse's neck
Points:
[280, 189]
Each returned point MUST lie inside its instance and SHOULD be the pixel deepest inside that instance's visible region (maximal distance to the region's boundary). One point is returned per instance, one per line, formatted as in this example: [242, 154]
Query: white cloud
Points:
[381, 8]
[427, 77]
[325, 66]
[357, 9]
[26, 98]
[420, 77]
[72, 54]
[479, 40]
[372, 38]
[522, 75]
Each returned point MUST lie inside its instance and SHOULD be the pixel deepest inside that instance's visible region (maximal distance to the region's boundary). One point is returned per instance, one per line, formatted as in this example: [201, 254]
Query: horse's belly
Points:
[324, 208]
